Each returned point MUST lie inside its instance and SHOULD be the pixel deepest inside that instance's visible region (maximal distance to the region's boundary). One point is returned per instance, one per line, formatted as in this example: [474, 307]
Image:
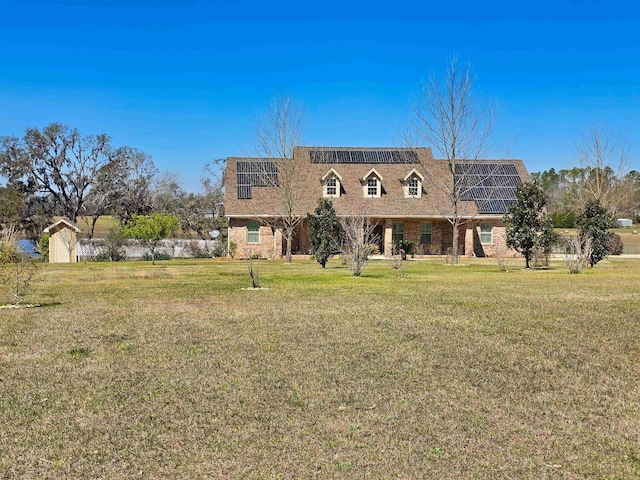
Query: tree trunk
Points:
[288, 252]
[454, 247]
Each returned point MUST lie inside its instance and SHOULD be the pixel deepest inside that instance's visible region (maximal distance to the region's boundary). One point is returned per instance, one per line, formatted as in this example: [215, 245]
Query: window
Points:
[331, 187]
[372, 187]
[397, 233]
[331, 184]
[253, 232]
[372, 184]
[426, 229]
[414, 185]
[486, 232]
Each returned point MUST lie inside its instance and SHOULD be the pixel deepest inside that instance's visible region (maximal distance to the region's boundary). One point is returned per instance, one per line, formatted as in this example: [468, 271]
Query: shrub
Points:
[102, 257]
[233, 246]
[114, 244]
[194, 250]
[17, 270]
[501, 258]
[43, 245]
[219, 249]
[149, 257]
[565, 219]
[396, 265]
[614, 247]
[540, 258]
[403, 248]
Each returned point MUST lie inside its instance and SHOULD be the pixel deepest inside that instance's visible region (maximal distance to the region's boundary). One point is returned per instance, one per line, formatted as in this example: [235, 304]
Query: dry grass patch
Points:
[176, 372]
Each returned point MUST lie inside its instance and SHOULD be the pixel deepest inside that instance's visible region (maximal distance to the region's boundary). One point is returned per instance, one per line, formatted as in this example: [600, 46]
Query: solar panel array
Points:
[254, 173]
[364, 156]
[491, 185]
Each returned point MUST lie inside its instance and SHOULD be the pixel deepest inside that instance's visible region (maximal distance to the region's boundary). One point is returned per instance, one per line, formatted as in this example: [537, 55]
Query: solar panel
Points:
[255, 173]
[491, 185]
[364, 156]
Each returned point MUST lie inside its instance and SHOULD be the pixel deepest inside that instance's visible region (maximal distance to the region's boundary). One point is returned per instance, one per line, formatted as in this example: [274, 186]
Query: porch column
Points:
[388, 238]
[468, 240]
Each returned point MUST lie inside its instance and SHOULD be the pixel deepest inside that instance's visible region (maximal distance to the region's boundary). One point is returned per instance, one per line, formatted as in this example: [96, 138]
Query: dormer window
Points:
[413, 184]
[372, 187]
[372, 184]
[331, 187]
[331, 184]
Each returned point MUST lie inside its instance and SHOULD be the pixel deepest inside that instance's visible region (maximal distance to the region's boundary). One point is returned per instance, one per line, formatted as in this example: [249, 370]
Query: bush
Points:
[232, 249]
[564, 219]
[43, 245]
[106, 257]
[540, 258]
[219, 250]
[194, 250]
[17, 270]
[403, 249]
[148, 257]
[114, 244]
[614, 246]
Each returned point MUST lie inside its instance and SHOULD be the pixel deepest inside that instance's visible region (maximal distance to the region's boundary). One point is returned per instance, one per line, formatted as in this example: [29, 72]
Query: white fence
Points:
[173, 247]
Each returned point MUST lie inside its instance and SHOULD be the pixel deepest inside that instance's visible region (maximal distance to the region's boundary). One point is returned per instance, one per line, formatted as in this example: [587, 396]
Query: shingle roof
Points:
[393, 165]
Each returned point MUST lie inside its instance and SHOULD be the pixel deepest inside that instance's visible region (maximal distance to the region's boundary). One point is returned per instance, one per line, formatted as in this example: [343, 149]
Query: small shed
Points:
[624, 222]
[63, 237]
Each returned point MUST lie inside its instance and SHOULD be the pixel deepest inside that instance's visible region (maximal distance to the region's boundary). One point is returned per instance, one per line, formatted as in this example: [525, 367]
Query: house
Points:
[402, 190]
[63, 238]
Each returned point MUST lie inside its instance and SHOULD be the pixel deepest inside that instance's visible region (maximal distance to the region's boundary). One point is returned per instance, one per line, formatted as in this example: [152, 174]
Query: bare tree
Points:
[358, 238]
[276, 134]
[58, 163]
[605, 161]
[132, 192]
[448, 119]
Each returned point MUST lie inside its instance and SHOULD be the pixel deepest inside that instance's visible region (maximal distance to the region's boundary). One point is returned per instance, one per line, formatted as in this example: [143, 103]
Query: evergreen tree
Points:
[594, 223]
[324, 232]
[529, 227]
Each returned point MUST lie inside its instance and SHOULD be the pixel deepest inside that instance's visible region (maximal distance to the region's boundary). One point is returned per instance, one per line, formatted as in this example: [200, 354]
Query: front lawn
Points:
[176, 371]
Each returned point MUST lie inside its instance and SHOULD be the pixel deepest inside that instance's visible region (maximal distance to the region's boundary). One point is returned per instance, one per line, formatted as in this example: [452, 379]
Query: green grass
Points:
[175, 371]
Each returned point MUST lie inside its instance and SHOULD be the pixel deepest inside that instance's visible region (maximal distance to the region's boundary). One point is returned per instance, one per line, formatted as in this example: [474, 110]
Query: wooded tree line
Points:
[601, 174]
[568, 190]
[56, 171]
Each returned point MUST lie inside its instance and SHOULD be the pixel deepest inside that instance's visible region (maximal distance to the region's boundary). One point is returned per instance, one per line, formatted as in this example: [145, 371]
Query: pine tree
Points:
[529, 227]
[324, 232]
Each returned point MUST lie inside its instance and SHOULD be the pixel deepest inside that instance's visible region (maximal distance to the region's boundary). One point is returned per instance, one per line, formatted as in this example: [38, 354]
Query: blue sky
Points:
[187, 81]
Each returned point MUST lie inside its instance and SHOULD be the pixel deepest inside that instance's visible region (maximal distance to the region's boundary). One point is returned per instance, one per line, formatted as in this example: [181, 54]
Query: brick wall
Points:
[269, 245]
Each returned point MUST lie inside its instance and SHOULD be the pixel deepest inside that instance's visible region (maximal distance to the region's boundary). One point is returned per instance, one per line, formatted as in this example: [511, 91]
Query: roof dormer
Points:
[412, 184]
[372, 184]
[331, 184]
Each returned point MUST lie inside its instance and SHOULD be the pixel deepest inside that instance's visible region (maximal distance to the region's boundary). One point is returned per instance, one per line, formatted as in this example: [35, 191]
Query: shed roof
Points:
[60, 224]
